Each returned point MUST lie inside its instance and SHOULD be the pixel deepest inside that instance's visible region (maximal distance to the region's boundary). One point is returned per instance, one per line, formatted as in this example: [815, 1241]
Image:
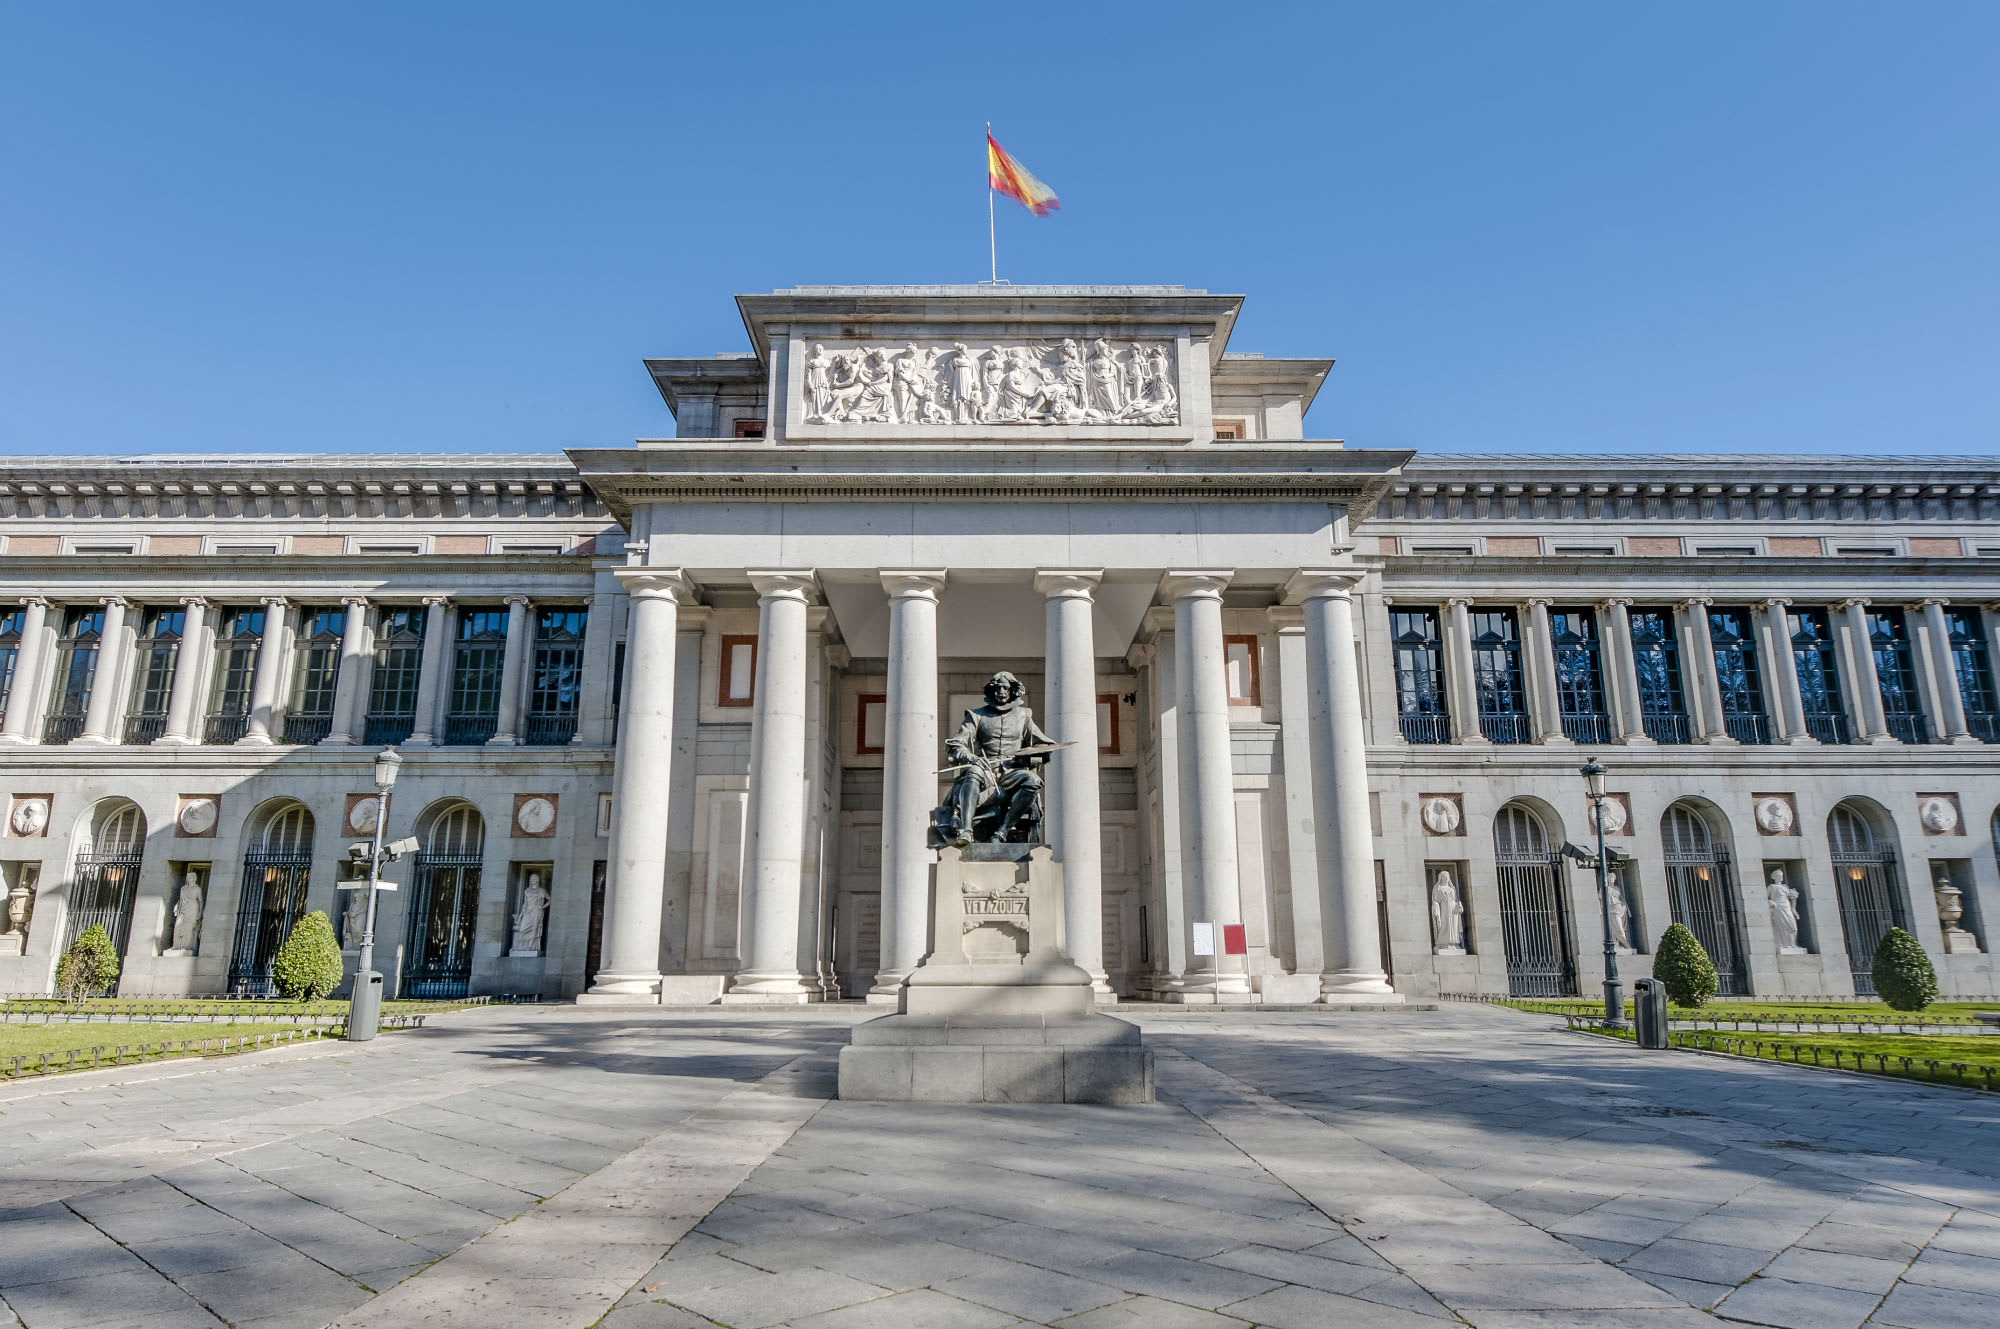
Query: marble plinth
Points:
[997, 1012]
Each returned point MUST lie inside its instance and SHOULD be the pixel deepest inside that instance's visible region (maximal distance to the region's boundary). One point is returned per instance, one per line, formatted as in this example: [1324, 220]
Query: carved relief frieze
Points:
[1071, 382]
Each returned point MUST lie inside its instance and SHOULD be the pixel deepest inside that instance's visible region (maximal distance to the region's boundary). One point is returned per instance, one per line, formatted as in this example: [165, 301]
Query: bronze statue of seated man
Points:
[997, 795]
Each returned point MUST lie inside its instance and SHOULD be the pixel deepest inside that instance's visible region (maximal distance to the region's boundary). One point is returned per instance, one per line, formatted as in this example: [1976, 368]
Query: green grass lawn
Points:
[1876, 1054]
[31, 1040]
[1829, 1012]
[227, 1011]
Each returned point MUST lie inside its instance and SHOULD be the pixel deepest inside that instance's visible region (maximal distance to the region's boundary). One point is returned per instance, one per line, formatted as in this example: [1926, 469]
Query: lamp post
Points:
[364, 1004]
[1614, 991]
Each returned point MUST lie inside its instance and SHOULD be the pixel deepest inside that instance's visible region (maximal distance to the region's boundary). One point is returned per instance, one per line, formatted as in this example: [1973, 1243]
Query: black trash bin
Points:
[1650, 1000]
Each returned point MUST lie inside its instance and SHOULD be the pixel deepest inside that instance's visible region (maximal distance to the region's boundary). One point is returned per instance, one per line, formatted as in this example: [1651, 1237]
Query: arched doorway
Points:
[105, 880]
[1534, 916]
[1703, 894]
[444, 905]
[1871, 898]
[277, 865]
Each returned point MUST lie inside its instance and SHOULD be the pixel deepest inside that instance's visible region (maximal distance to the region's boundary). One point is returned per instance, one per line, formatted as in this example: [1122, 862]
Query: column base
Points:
[1721, 741]
[618, 999]
[623, 988]
[253, 741]
[337, 741]
[884, 999]
[1883, 741]
[503, 741]
[1557, 741]
[1964, 740]
[769, 989]
[91, 741]
[888, 984]
[801, 998]
[1350, 986]
[1802, 741]
[1360, 999]
[1637, 741]
[15, 739]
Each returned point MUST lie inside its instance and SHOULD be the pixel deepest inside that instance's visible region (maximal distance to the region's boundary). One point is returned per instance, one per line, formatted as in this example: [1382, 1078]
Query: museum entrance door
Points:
[106, 879]
[277, 869]
[1865, 875]
[1703, 895]
[437, 962]
[1534, 917]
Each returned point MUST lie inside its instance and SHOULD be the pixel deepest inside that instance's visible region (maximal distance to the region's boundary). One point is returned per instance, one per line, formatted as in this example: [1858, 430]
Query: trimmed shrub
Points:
[1681, 964]
[91, 965]
[1902, 972]
[308, 966]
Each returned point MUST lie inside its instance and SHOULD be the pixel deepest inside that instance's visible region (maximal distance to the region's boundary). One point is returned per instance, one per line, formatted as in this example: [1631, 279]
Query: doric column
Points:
[264, 682]
[353, 652]
[909, 775]
[1461, 692]
[1944, 665]
[24, 701]
[1345, 841]
[506, 732]
[775, 820]
[635, 891]
[1622, 681]
[1295, 717]
[1208, 794]
[1070, 716]
[1539, 652]
[1782, 668]
[1865, 687]
[184, 698]
[431, 670]
[100, 715]
[1707, 681]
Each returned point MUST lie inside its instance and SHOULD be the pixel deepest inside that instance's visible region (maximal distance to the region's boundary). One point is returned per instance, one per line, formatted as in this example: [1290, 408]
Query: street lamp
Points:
[364, 1004]
[1614, 991]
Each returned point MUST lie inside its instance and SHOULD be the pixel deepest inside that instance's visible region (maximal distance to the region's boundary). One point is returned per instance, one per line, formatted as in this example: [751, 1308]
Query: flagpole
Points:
[992, 243]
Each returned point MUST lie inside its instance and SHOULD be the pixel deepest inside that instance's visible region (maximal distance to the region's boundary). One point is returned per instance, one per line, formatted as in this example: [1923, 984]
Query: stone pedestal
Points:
[997, 1012]
[10, 943]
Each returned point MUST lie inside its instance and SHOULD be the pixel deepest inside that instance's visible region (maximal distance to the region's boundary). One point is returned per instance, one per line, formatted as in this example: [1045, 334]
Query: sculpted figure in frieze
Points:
[1107, 382]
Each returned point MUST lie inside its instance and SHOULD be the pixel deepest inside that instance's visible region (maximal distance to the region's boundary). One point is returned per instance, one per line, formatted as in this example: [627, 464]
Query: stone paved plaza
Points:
[550, 1166]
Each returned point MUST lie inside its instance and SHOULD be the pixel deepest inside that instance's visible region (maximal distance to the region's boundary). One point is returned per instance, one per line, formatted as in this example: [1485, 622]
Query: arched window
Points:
[1702, 894]
[1871, 899]
[277, 867]
[1534, 916]
[444, 905]
[106, 878]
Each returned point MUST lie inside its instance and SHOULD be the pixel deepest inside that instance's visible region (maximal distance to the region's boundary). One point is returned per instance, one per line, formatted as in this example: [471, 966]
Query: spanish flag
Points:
[1012, 179]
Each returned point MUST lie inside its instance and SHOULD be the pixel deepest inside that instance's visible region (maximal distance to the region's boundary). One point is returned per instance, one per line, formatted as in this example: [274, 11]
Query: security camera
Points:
[1616, 855]
[407, 845]
[1581, 855]
[358, 850]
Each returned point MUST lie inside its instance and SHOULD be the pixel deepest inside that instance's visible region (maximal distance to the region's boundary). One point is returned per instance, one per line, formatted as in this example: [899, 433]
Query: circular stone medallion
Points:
[31, 815]
[1611, 814]
[197, 817]
[1441, 816]
[535, 815]
[361, 817]
[1774, 815]
[1938, 815]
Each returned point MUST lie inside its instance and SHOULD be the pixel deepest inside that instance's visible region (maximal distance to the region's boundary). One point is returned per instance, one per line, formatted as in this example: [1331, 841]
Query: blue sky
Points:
[1519, 228]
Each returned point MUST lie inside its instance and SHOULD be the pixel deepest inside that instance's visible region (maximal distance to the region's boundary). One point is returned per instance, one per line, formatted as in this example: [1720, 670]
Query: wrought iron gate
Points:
[274, 898]
[101, 892]
[1534, 916]
[1869, 907]
[1703, 896]
[437, 963]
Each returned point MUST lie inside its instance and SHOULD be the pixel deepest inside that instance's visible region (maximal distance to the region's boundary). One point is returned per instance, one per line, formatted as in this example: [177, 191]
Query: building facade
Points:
[692, 693]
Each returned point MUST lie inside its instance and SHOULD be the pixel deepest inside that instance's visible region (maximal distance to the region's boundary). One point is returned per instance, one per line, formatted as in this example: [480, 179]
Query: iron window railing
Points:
[1827, 727]
[62, 727]
[1745, 728]
[1426, 728]
[1667, 728]
[1983, 725]
[145, 726]
[1586, 727]
[382, 729]
[307, 729]
[548, 730]
[225, 728]
[1909, 728]
[470, 729]
[1509, 727]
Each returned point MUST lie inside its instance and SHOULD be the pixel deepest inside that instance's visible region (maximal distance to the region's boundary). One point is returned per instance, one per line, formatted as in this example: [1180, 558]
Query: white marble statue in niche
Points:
[1784, 913]
[354, 918]
[1447, 915]
[1621, 910]
[187, 914]
[531, 919]
[1108, 382]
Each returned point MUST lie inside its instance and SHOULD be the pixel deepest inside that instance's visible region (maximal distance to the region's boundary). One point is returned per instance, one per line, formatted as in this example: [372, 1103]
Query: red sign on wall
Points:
[1234, 942]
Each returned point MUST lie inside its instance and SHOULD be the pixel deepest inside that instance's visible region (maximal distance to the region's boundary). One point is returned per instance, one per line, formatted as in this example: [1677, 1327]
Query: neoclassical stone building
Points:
[693, 692]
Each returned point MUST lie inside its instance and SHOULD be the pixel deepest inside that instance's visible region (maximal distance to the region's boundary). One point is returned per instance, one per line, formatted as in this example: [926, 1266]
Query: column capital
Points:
[518, 599]
[1539, 601]
[1286, 620]
[274, 601]
[115, 602]
[1929, 600]
[1322, 584]
[438, 601]
[31, 601]
[785, 584]
[1621, 601]
[1070, 583]
[1853, 602]
[196, 602]
[669, 584]
[1458, 602]
[913, 583]
[1771, 602]
[1694, 602]
[1196, 585]
[352, 601]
